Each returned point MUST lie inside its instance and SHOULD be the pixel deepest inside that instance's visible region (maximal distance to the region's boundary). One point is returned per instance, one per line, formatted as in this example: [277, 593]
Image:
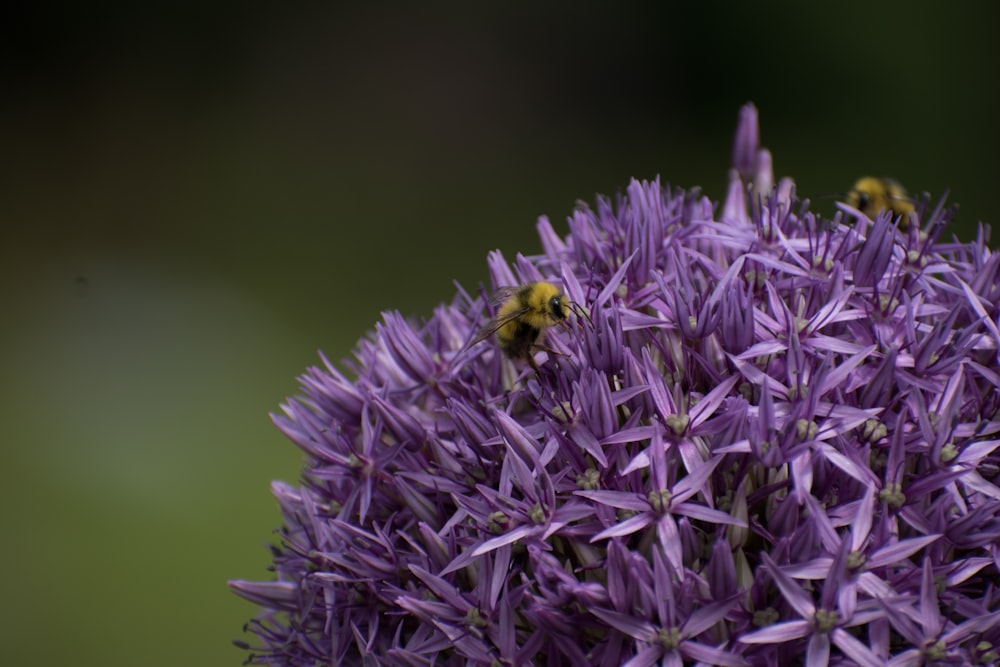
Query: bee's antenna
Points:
[580, 310]
[832, 195]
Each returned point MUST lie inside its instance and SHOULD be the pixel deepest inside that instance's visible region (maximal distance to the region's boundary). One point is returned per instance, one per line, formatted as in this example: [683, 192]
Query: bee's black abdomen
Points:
[519, 346]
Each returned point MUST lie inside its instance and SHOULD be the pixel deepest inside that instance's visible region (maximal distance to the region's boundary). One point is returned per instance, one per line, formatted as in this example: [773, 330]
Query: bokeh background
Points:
[196, 196]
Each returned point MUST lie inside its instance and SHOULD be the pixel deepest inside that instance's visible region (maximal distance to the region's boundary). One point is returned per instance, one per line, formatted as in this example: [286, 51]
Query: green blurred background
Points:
[197, 195]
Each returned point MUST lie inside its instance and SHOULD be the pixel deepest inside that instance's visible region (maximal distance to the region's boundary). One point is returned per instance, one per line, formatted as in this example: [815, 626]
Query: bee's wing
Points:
[497, 322]
[896, 192]
[502, 295]
[892, 183]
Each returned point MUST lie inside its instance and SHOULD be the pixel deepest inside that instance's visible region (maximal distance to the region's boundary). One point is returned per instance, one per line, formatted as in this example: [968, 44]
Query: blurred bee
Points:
[523, 315]
[870, 195]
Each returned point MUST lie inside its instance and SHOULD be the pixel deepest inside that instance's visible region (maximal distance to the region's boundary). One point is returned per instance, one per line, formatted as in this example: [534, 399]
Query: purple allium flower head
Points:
[763, 437]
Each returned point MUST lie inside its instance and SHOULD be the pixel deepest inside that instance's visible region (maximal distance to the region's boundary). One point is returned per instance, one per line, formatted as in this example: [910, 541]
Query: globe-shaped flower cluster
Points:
[763, 438]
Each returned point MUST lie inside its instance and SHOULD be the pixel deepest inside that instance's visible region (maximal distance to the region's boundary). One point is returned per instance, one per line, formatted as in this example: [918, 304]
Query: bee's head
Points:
[548, 304]
[558, 308]
[867, 195]
[860, 200]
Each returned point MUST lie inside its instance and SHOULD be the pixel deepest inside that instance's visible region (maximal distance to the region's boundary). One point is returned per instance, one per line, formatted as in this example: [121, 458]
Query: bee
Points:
[523, 315]
[870, 195]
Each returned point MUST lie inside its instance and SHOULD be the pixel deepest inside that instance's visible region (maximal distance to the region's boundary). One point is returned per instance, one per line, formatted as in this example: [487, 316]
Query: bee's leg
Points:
[538, 347]
[546, 348]
[532, 362]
